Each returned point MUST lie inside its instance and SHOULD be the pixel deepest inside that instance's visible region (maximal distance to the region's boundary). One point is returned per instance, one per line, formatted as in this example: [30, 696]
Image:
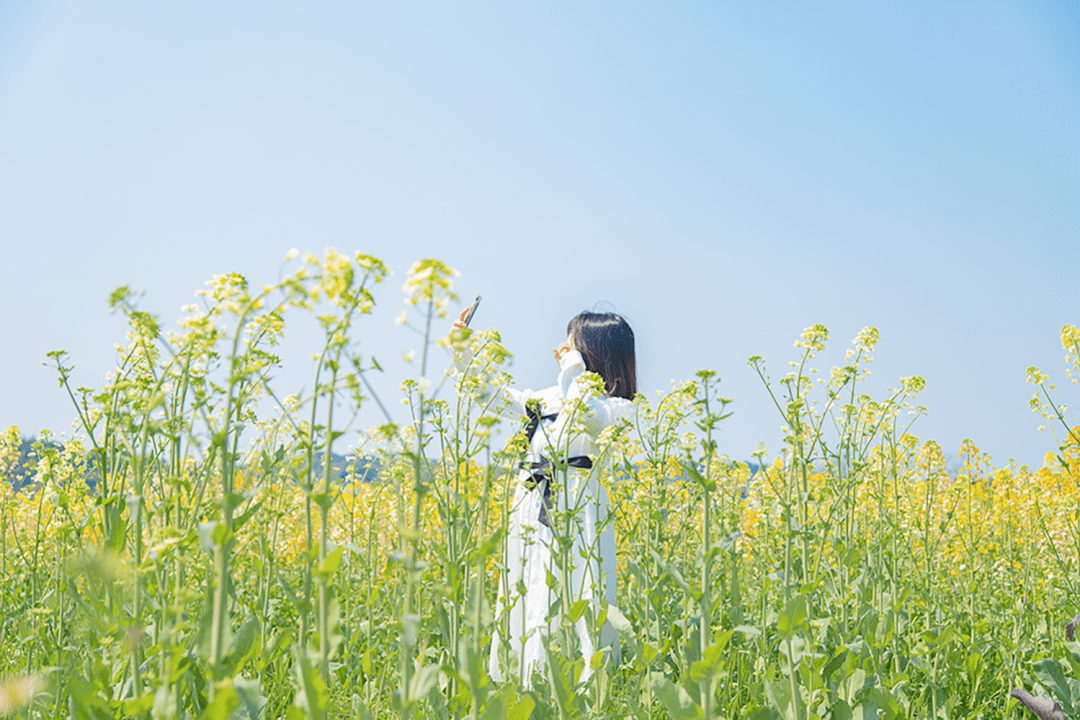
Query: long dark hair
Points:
[606, 343]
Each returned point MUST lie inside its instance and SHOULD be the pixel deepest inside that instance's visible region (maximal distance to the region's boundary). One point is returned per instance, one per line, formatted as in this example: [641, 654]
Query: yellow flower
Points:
[17, 692]
[430, 281]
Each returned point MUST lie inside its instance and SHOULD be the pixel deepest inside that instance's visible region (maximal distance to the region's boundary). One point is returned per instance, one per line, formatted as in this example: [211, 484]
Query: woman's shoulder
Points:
[623, 404]
[617, 409]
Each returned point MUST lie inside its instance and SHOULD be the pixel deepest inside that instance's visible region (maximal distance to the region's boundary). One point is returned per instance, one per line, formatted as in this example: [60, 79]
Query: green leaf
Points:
[793, 617]
[360, 711]
[841, 710]
[290, 592]
[560, 673]
[164, 702]
[117, 532]
[620, 622]
[220, 535]
[712, 660]
[835, 663]
[523, 709]
[333, 621]
[778, 693]
[240, 521]
[224, 703]
[697, 477]
[329, 565]
[410, 629]
[205, 627]
[206, 536]
[311, 695]
[251, 697]
[884, 703]
[577, 610]
[324, 500]
[139, 705]
[495, 710]
[636, 572]
[489, 547]
[763, 713]
[932, 638]
[423, 682]
[869, 708]
[1052, 675]
[508, 706]
[472, 670]
[243, 645]
[92, 615]
[84, 702]
[231, 501]
[676, 700]
[673, 572]
[271, 651]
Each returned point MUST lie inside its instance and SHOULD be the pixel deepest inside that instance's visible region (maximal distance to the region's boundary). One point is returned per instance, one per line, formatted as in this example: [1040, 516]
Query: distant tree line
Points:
[19, 472]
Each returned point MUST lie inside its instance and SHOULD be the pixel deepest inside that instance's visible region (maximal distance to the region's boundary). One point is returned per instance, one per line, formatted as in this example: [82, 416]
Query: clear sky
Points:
[724, 174]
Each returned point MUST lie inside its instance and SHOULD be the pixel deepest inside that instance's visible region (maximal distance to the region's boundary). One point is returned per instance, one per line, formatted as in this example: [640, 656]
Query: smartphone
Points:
[472, 311]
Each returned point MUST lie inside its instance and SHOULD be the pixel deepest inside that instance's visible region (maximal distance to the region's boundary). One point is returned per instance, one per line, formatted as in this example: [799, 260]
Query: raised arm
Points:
[506, 401]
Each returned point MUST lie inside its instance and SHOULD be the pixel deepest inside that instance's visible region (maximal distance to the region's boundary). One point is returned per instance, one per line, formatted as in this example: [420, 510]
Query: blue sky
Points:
[724, 174]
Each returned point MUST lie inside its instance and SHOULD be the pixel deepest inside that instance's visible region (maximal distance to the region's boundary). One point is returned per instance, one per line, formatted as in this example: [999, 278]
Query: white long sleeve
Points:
[510, 402]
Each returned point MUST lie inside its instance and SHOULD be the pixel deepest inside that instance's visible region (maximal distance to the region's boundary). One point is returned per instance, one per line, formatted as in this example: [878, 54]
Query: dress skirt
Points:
[532, 604]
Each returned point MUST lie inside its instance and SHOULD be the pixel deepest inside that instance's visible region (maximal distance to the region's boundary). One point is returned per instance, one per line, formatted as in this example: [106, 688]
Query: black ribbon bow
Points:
[541, 471]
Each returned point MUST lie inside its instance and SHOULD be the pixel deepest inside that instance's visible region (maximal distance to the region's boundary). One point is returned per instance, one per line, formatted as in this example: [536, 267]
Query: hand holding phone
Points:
[466, 315]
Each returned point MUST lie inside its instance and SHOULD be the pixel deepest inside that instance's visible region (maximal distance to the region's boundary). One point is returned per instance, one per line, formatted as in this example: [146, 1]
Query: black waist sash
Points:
[541, 471]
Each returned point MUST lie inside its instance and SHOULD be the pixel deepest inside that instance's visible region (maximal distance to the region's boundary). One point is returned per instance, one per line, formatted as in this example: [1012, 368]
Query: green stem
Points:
[324, 507]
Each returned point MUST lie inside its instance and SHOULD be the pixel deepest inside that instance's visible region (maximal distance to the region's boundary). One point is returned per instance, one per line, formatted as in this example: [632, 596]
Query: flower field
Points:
[189, 553]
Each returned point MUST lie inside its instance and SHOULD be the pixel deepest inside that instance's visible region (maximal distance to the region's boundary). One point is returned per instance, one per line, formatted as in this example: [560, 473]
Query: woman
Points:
[558, 492]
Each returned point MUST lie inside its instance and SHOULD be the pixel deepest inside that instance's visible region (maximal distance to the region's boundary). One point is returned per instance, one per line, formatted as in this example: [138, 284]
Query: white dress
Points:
[530, 540]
